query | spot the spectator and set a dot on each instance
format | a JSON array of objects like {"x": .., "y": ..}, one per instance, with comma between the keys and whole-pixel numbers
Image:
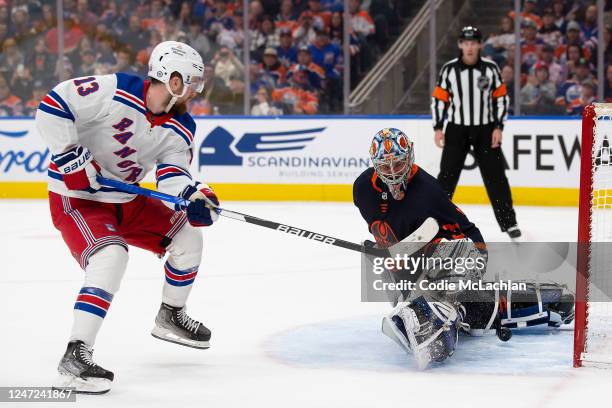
[
  {"x": 570, "y": 60},
  {"x": 84, "y": 17},
  {"x": 587, "y": 96},
  {"x": 142, "y": 58},
  {"x": 48, "y": 17},
  {"x": 286, "y": 19},
  {"x": 538, "y": 94},
  {"x": 263, "y": 38},
  {"x": 256, "y": 11},
  {"x": 227, "y": 66},
  {"x": 199, "y": 107},
  {"x": 529, "y": 13},
  {"x": 555, "y": 70},
  {"x": 572, "y": 38},
  {"x": 11, "y": 57},
  {"x": 589, "y": 27},
  {"x": 125, "y": 59},
  {"x": 263, "y": 104},
  {"x": 72, "y": 36},
  {"x": 257, "y": 80},
  {"x": 560, "y": 14},
  {"x": 550, "y": 32},
  {"x": 233, "y": 38},
  {"x": 273, "y": 72},
  {"x": 156, "y": 17},
  {"x": 287, "y": 53},
  {"x": 316, "y": 74},
  {"x": 570, "y": 90},
  {"x": 531, "y": 45},
  {"x": 220, "y": 18},
  {"x": 329, "y": 57},
  {"x": 10, "y": 105},
  {"x": 197, "y": 39},
  {"x": 106, "y": 54},
  {"x": 297, "y": 98},
  {"x": 39, "y": 91},
  {"x": 21, "y": 82},
  {"x": 361, "y": 21},
  {"x": 21, "y": 27},
  {"x": 172, "y": 31},
  {"x": 3, "y": 33},
  {"x": 321, "y": 18},
  {"x": 497, "y": 45},
  {"x": 87, "y": 67},
  {"x": 507, "y": 74},
  {"x": 135, "y": 37},
  {"x": 299, "y": 6},
  {"x": 185, "y": 18},
  {"x": 305, "y": 32},
  {"x": 41, "y": 62},
  {"x": 326, "y": 54}
]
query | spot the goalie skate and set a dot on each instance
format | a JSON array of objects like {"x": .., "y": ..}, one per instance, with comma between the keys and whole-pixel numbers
[{"x": 174, "y": 325}]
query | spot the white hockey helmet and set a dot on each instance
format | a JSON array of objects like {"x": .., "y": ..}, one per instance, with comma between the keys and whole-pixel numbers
[{"x": 173, "y": 56}]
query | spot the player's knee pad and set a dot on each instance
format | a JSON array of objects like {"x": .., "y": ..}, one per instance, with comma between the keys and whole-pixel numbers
[
  {"x": 186, "y": 247},
  {"x": 106, "y": 268},
  {"x": 430, "y": 328}
]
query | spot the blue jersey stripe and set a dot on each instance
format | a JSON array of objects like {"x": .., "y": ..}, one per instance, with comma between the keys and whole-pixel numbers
[
  {"x": 169, "y": 175},
  {"x": 56, "y": 112},
  {"x": 181, "y": 134},
  {"x": 59, "y": 99},
  {"x": 128, "y": 103}
]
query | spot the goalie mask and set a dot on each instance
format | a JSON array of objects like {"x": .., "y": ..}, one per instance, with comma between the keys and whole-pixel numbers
[
  {"x": 169, "y": 57},
  {"x": 392, "y": 155}
]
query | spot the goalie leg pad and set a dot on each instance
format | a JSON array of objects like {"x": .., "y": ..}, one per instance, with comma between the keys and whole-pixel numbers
[{"x": 427, "y": 329}]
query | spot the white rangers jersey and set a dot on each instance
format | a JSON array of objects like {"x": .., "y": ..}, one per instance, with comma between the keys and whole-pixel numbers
[{"x": 107, "y": 115}]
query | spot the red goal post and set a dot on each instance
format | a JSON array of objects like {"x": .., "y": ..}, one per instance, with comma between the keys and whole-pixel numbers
[{"x": 593, "y": 321}]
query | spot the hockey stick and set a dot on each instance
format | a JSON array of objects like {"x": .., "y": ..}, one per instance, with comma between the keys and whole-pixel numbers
[{"x": 423, "y": 234}]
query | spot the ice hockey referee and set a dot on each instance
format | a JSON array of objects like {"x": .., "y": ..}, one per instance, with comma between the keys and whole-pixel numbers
[{"x": 471, "y": 97}]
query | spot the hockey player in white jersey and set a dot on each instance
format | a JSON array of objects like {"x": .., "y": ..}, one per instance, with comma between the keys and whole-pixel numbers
[{"x": 122, "y": 127}]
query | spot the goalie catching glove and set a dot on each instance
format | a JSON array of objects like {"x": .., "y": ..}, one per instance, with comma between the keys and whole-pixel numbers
[
  {"x": 78, "y": 168},
  {"x": 200, "y": 212}
]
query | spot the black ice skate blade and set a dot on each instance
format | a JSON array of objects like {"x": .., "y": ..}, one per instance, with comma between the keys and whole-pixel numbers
[
  {"x": 82, "y": 392},
  {"x": 182, "y": 344}
]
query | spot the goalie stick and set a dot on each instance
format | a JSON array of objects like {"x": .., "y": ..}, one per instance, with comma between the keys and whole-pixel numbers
[{"x": 421, "y": 237}]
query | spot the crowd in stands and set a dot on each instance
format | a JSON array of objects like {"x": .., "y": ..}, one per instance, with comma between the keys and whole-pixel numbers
[
  {"x": 558, "y": 55},
  {"x": 295, "y": 47}
]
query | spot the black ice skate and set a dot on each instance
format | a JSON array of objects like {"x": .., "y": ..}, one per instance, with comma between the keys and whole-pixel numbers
[
  {"x": 77, "y": 370},
  {"x": 514, "y": 232},
  {"x": 172, "y": 324}
]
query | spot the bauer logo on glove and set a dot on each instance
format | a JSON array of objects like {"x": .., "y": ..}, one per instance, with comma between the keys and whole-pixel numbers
[
  {"x": 79, "y": 169},
  {"x": 203, "y": 200}
]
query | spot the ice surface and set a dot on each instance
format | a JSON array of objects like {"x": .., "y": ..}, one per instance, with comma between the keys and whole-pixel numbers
[{"x": 288, "y": 325}]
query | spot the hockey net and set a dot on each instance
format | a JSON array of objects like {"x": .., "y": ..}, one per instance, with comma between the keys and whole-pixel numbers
[{"x": 593, "y": 324}]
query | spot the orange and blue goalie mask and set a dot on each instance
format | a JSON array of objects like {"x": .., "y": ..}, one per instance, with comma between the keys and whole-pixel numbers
[{"x": 392, "y": 155}]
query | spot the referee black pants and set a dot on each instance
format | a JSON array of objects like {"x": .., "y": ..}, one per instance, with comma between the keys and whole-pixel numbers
[{"x": 457, "y": 142}]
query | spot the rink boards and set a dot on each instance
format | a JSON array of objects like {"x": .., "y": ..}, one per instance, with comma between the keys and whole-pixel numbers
[{"x": 318, "y": 158}]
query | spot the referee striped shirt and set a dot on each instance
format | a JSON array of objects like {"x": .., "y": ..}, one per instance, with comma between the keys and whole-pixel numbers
[{"x": 470, "y": 95}]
